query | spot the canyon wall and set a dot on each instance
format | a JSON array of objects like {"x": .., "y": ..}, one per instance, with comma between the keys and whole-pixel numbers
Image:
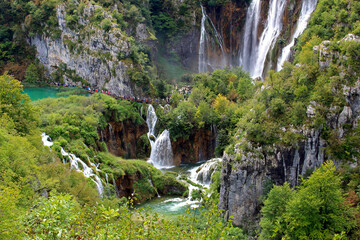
[{"x": 88, "y": 54}]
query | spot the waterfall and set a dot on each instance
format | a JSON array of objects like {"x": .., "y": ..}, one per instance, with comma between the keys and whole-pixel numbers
[
  {"x": 161, "y": 155},
  {"x": 102, "y": 135},
  {"x": 46, "y": 140},
  {"x": 161, "y": 152},
  {"x": 202, "y": 54},
  {"x": 116, "y": 187},
  {"x": 151, "y": 120},
  {"x": 111, "y": 132},
  {"x": 77, "y": 164},
  {"x": 307, "y": 8},
  {"x": 271, "y": 32},
  {"x": 248, "y": 51},
  {"x": 202, "y": 174},
  {"x": 204, "y": 62}
]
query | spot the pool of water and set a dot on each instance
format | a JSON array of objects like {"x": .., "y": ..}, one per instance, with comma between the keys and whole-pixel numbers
[
  {"x": 169, "y": 206},
  {"x": 173, "y": 206},
  {"x": 36, "y": 93}
]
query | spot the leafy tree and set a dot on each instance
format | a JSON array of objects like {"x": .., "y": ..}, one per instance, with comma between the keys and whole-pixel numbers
[
  {"x": 273, "y": 222},
  {"x": 32, "y": 74},
  {"x": 318, "y": 210},
  {"x": 17, "y": 105}
]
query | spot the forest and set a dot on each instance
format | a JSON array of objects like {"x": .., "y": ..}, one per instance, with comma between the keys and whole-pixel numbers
[{"x": 274, "y": 156}]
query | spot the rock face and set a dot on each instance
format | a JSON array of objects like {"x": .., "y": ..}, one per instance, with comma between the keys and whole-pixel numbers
[
  {"x": 122, "y": 138},
  {"x": 198, "y": 147},
  {"x": 244, "y": 176},
  {"x": 90, "y": 55},
  {"x": 128, "y": 183}
]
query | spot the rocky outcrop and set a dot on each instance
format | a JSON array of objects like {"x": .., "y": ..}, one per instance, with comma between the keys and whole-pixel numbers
[
  {"x": 130, "y": 185},
  {"x": 88, "y": 54},
  {"x": 199, "y": 146},
  {"x": 123, "y": 138},
  {"x": 245, "y": 174},
  {"x": 243, "y": 180}
]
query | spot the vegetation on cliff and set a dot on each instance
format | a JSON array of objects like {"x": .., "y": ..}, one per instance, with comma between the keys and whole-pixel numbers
[{"x": 30, "y": 172}]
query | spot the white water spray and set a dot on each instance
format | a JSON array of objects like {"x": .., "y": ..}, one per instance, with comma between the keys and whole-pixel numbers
[
  {"x": 77, "y": 164},
  {"x": 248, "y": 51},
  {"x": 270, "y": 34},
  {"x": 205, "y": 63},
  {"x": 161, "y": 150},
  {"x": 307, "y": 8}
]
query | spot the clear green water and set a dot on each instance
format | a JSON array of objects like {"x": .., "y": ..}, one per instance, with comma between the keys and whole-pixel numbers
[
  {"x": 172, "y": 206},
  {"x": 41, "y": 92},
  {"x": 37, "y": 93}
]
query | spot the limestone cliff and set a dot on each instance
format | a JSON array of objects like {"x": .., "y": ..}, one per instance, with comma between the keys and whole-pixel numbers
[
  {"x": 86, "y": 53},
  {"x": 251, "y": 166}
]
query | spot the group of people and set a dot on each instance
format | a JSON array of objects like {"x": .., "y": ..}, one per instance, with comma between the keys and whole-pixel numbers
[{"x": 136, "y": 99}]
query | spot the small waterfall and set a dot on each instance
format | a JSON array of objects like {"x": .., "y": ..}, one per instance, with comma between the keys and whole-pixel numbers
[
  {"x": 151, "y": 120},
  {"x": 205, "y": 64},
  {"x": 248, "y": 51},
  {"x": 116, "y": 187},
  {"x": 111, "y": 132},
  {"x": 307, "y": 8},
  {"x": 161, "y": 150},
  {"x": 270, "y": 34},
  {"x": 102, "y": 135},
  {"x": 46, "y": 140},
  {"x": 77, "y": 164},
  {"x": 202, "y": 174}
]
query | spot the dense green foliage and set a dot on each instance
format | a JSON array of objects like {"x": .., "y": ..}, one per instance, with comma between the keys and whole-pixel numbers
[
  {"x": 214, "y": 100},
  {"x": 316, "y": 210},
  {"x": 30, "y": 171}
]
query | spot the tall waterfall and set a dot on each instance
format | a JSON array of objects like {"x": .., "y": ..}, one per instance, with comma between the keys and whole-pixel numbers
[
  {"x": 248, "y": 50},
  {"x": 161, "y": 150},
  {"x": 271, "y": 32},
  {"x": 205, "y": 62},
  {"x": 307, "y": 8},
  {"x": 202, "y": 54},
  {"x": 77, "y": 164}
]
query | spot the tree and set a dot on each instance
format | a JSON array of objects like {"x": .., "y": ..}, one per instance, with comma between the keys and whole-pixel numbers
[
  {"x": 273, "y": 223},
  {"x": 318, "y": 210},
  {"x": 16, "y": 105},
  {"x": 32, "y": 75}
]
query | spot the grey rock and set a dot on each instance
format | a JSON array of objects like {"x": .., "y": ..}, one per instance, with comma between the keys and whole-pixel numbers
[
  {"x": 244, "y": 174},
  {"x": 96, "y": 61}
]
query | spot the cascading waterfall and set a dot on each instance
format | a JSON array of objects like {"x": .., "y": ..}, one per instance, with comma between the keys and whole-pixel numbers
[
  {"x": 204, "y": 62},
  {"x": 307, "y": 8},
  {"x": 151, "y": 120},
  {"x": 161, "y": 150},
  {"x": 46, "y": 140},
  {"x": 271, "y": 32},
  {"x": 202, "y": 174},
  {"x": 74, "y": 164},
  {"x": 248, "y": 51}
]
